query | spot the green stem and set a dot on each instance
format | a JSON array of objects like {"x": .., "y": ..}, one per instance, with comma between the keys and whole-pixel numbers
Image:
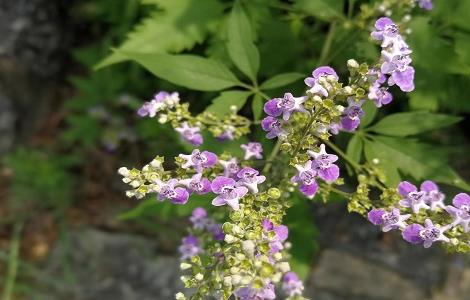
[
  {"x": 327, "y": 45},
  {"x": 353, "y": 164},
  {"x": 12, "y": 262}
]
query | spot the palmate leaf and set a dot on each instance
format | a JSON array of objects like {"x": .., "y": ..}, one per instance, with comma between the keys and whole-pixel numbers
[
  {"x": 410, "y": 123},
  {"x": 281, "y": 80},
  {"x": 222, "y": 104},
  {"x": 354, "y": 150},
  {"x": 257, "y": 107},
  {"x": 191, "y": 71},
  {"x": 176, "y": 26},
  {"x": 241, "y": 48},
  {"x": 322, "y": 9}
]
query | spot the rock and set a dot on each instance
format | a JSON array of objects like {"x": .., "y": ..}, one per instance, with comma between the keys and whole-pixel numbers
[
  {"x": 112, "y": 266},
  {"x": 340, "y": 275}
]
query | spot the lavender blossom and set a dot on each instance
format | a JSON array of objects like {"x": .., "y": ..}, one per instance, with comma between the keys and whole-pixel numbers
[
  {"x": 168, "y": 190},
  {"x": 197, "y": 184},
  {"x": 306, "y": 178},
  {"x": 252, "y": 149},
  {"x": 250, "y": 293},
  {"x": 412, "y": 197},
  {"x": 189, "y": 247},
  {"x": 425, "y": 4},
  {"x": 231, "y": 167},
  {"x": 388, "y": 220},
  {"x": 199, "y": 218},
  {"x": 190, "y": 134},
  {"x": 285, "y": 106},
  {"x": 460, "y": 211},
  {"x": 199, "y": 160},
  {"x": 227, "y": 134},
  {"x": 323, "y": 164},
  {"x": 427, "y": 235},
  {"x": 433, "y": 197},
  {"x": 292, "y": 285},
  {"x": 318, "y": 81},
  {"x": 352, "y": 115},
  {"x": 273, "y": 126},
  {"x": 160, "y": 101},
  {"x": 250, "y": 179},
  {"x": 227, "y": 191}
]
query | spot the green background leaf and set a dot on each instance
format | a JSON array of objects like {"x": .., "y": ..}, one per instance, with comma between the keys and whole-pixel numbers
[{"x": 221, "y": 105}]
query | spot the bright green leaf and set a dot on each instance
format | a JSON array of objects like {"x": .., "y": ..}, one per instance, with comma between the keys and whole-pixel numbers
[
  {"x": 191, "y": 71},
  {"x": 178, "y": 25},
  {"x": 281, "y": 80},
  {"x": 257, "y": 107},
  {"x": 222, "y": 104},
  {"x": 409, "y": 123},
  {"x": 241, "y": 48},
  {"x": 370, "y": 111},
  {"x": 354, "y": 149}
]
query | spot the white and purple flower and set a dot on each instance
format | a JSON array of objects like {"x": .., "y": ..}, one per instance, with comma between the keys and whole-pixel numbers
[
  {"x": 160, "y": 101},
  {"x": 412, "y": 198},
  {"x": 250, "y": 293},
  {"x": 318, "y": 83},
  {"x": 281, "y": 232},
  {"x": 190, "y": 134},
  {"x": 250, "y": 178},
  {"x": 427, "y": 235},
  {"x": 169, "y": 191},
  {"x": 352, "y": 115},
  {"x": 323, "y": 164},
  {"x": 227, "y": 191},
  {"x": 189, "y": 247},
  {"x": 306, "y": 178},
  {"x": 388, "y": 220},
  {"x": 199, "y": 218},
  {"x": 199, "y": 160},
  {"x": 197, "y": 184},
  {"x": 252, "y": 149},
  {"x": 433, "y": 197},
  {"x": 284, "y": 106},
  {"x": 425, "y": 4},
  {"x": 292, "y": 285},
  {"x": 460, "y": 211},
  {"x": 230, "y": 166},
  {"x": 273, "y": 126}
]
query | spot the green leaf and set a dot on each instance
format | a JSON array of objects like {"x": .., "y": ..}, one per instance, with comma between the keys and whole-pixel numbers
[
  {"x": 191, "y": 71},
  {"x": 257, "y": 106},
  {"x": 418, "y": 160},
  {"x": 354, "y": 149},
  {"x": 221, "y": 105},
  {"x": 370, "y": 111},
  {"x": 241, "y": 48},
  {"x": 178, "y": 25},
  {"x": 423, "y": 100},
  {"x": 302, "y": 234},
  {"x": 280, "y": 80},
  {"x": 410, "y": 123},
  {"x": 322, "y": 9}
]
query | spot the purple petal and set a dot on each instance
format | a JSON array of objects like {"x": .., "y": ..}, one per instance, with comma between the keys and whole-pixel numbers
[
  {"x": 267, "y": 225},
  {"x": 271, "y": 108},
  {"x": 290, "y": 276},
  {"x": 218, "y": 201},
  {"x": 411, "y": 234},
  {"x": 382, "y": 22},
  {"x": 375, "y": 216},
  {"x": 266, "y": 123},
  {"x": 323, "y": 71},
  {"x": 206, "y": 186},
  {"x": 199, "y": 212},
  {"x": 461, "y": 199},
  {"x": 309, "y": 81},
  {"x": 282, "y": 232},
  {"x": 405, "y": 79},
  {"x": 182, "y": 196},
  {"x": 330, "y": 174},
  {"x": 241, "y": 191},
  {"x": 428, "y": 186},
  {"x": 349, "y": 124},
  {"x": 404, "y": 188},
  {"x": 309, "y": 190},
  {"x": 211, "y": 159},
  {"x": 219, "y": 182}
]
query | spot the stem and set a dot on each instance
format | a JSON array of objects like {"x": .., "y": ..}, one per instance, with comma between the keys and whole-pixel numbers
[
  {"x": 12, "y": 262},
  {"x": 353, "y": 164},
  {"x": 327, "y": 45},
  {"x": 271, "y": 157}
]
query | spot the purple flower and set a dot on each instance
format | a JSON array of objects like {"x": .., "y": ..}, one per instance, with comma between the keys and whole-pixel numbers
[
  {"x": 227, "y": 192},
  {"x": 167, "y": 190},
  {"x": 272, "y": 126},
  {"x": 292, "y": 285},
  {"x": 231, "y": 167},
  {"x": 199, "y": 160},
  {"x": 190, "y": 134},
  {"x": 252, "y": 149},
  {"x": 170, "y": 99},
  {"x": 150, "y": 109},
  {"x": 460, "y": 212},
  {"x": 227, "y": 134},
  {"x": 403, "y": 79},
  {"x": 318, "y": 83},
  {"x": 250, "y": 293},
  {"x": 249, "y": 178},
  {"x": 197, "y": 184},
  {"x": 412, "y": 197},
  {"x": 306, "y": 178},
  {"x": 387, "y": 220},
  {"x": 199, "y": 218},
  {"x": 352, "y": 115},
  {"x": 379, "y": 95},
  {"x": 323, "y": 164},
  {"x": 217, "y": 231},
  {"x": 285, "y": 106},
  {"x": 281, "y": 232},
  {"x": 433, "y": 197},
  {"x": 189, "y": 247},
  {"x": 417, "y": 234},
  {"x": 386, "y": 31},
  {"x": 425, "y": 4}
]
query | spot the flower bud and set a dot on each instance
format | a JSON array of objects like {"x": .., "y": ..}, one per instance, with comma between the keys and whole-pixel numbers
[
  {"x": 274, "y": 193},
  {"x": 180, "y": 296},
  {"x": 352, "y": 63},
  {"x": 185, "y": 266},
  {"x": 230, "y": 238},
  {"x": 199, "y": 277},
  {"x": 248, "y": 247},
  {"x": 124, "y": 171},
  {"x": 284, "y": 267},
  {"x": 162, "y": 119}
]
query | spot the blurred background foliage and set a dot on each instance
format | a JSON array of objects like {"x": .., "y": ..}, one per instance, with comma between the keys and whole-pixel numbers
[{"x": 237, "y": 53}]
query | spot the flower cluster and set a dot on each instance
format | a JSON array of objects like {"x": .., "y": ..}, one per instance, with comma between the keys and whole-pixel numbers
[
  {"x": 167, "y": 107},
  {"x": 395, "y": 61},
  {"x": 415, "y": 213}
]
